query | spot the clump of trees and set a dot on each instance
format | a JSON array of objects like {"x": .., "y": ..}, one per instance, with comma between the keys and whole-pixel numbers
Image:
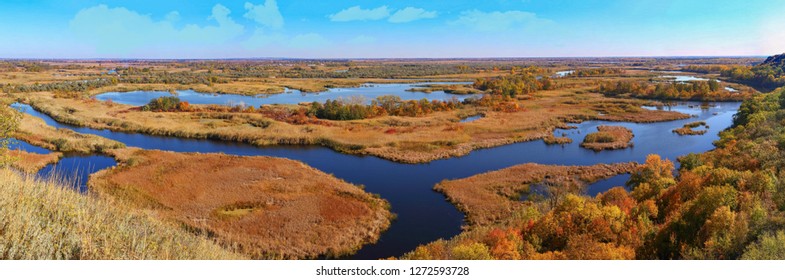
[
  {"x": 710, "y": 90},
  {"x": 167, "y": 104},
  {"x": 60, "y": 88},
  {"x": 765, "y": 76},
  {"x": 381, "y": 106},
  {"x": 593, "y": 72},
  {"x": 515, "y": 85}
]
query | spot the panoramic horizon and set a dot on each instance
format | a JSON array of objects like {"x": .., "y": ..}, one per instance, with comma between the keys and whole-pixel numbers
[
  {"x": 382, "y": 29},
  {"x": 368, "y": 138}
]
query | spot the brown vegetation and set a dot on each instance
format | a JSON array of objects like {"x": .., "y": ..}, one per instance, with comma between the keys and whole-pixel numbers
[
  {"x": 32, "y": 162},
  {"x": 417, "y": 139},
  {"x": 265, "y": 207},
  {"x": 35, "y": 131},
  {"x": 47, "y": 220},
  {"x": 688, "y": 129},
  {"x": 608, "y": 138},
  {"x": 492, "y": 197}
]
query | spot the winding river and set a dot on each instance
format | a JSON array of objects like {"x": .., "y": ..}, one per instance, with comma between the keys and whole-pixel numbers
[{"x": 423, "y": 214}]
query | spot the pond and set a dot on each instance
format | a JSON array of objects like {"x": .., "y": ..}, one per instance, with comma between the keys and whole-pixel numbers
[
  {"x": 471, "y": 118},
  {"x": 423, "y": 214},
  {"x": 366, "y": 93},
  {"x": 684, "y": 78},
  {"x": 561, "y": 74}
]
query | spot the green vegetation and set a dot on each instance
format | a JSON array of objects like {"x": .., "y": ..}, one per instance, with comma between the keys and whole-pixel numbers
[
  {"x": 594, "y": 72},
  {"x": 766, "y": 76}
]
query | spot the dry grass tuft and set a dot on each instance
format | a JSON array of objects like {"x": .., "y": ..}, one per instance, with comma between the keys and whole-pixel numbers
[
  {"x": 688, "y": 129},
  {"x": 608, "y": 138},
  {"x": 31, "y": 162}
]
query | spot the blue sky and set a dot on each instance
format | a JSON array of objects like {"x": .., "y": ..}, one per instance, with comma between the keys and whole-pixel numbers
[{"x": 383, "y": 29}]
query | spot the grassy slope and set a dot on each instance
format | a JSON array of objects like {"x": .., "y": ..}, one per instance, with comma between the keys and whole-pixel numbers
[{"x": 42, "y": 220}]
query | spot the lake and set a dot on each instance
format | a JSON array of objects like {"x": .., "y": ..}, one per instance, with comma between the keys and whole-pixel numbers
[
  {"x": 367, "y": 92},
  {"x": 423, "y": 214}
]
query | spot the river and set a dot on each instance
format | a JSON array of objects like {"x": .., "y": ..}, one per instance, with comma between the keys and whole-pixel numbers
[{"x": 423, "y": 214}]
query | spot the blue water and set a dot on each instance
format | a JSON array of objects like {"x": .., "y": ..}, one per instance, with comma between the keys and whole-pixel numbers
[
  {"x": 366, "y": 93},
  {"x": 685, "y": 78},
  {"x": 73, "y": 168},
  {"x": 423, "y": 214},
  {"x": 76, "y": 169},
  {"x": 471, "y": 118},
  {"x": 602, "y": 186}
]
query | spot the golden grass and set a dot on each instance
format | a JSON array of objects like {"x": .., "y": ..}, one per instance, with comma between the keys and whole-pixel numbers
[
  {"x": 35, "y": 131},
  {"x": 608, "y": 138},
  {"x": 493, "y": 197},
  {"x": 418, "y": 139},
  {"x": 44, "y": 220},
  {"x": 32, "y": 162},
  {"x": 266, "y": 207}
]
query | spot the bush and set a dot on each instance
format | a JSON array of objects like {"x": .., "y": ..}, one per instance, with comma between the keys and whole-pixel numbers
[
  {"x": 471, "y": 251},
  {"x": 166, "y": 104}
]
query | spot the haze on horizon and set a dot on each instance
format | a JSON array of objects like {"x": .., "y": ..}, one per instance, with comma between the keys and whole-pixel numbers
[{"x": 389, "y": 29}]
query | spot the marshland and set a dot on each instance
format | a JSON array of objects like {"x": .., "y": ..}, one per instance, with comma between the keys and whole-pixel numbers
[{"x": 408, "y": 159}]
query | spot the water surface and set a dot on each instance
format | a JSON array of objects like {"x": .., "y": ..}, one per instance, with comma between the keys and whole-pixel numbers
[{"x": 365, "y": 93}]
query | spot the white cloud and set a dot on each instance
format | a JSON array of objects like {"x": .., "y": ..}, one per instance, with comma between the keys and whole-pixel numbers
[
  {"x": 497, "y": 21},
  {"x": 266, "y": 14},
  {"x": 120, "y": 31},
  {"x": 308, "y": 41},
  {"x": 173, "y": 16},
  {"x": 357, "y": 13},
  {"x": 411, "y": 14},
  {"x": 362, "y": 39}
]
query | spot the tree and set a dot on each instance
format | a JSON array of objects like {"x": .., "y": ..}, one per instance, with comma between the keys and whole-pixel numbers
[{"x": 651, "y": 178}]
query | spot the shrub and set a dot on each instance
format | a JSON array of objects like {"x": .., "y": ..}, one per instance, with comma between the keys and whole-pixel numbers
[{"x": 166, "y": 104}]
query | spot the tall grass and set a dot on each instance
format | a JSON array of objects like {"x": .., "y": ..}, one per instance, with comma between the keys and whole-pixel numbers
[{"x": 44, "y": 220}]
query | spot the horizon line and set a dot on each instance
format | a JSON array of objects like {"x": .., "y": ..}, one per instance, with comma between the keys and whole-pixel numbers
[{"x": 389, "y": 58}]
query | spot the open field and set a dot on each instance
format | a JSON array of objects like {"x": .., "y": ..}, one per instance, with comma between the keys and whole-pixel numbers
[
  {"x": 45, "y": 220},
  {"x": 264, "y": 207}
]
